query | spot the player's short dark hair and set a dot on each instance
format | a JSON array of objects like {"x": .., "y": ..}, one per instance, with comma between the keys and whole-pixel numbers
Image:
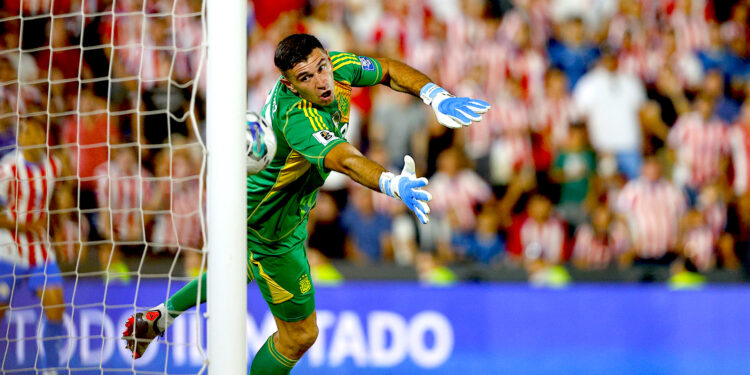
[{"x": 294, "y": 49}]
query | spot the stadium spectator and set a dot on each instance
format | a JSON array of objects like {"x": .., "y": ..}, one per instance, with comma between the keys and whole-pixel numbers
[
  {"x": 668, "y": 93},
  {"x": 395, "y": 120},
  {"x": 699, "y": 140},
  {"x": 28, "y": 178},
  {"x": 538, "y": 234},
  {"x": 686, "y": 66},
  {"x": 525, "y": 59},
  {"x": 724, "y": 107},
  {"x": 404, "y": 235},
  {"x": 60, "y": 56},
  {"x": 510, "y": 124},
  {"x": 123, "y": 189},
  {"x": 712, "y": 205},
  {"x": 553, "y": 115},
  {"x": 368, "y": 231},
  {"x": 739, "y": 141},
  {"x": 652, "y": 207},
  {"x": 485, "y": 244},
  {"x": 327, "y": 234},
  {"x": 610, "y": 101},
  {"x": 457, "y": 191},
  {"x": 697, "y": 241},
  {"x": 598, "y": 244},
  {"x": 571, "y": 52},
  {"x": 738, "y": 226},
  {"x": 69, "y": 228},
  {"x": 573, "y": 170},
  {"x": 7, "y": 115},
  {"x": 179, "y": 192},
  {"x": 655, "y": 130}
]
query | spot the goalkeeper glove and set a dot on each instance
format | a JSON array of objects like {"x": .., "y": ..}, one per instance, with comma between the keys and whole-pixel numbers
[
  {"x": 407, "y": 187},
  {"x": 451, "y": 111}
]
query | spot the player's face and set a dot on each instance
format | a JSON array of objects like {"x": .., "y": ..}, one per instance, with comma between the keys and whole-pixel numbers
[{"x": 312, "y": 79}]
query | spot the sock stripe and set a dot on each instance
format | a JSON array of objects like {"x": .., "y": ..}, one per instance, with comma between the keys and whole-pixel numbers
[{"x": 278, "y": 356}]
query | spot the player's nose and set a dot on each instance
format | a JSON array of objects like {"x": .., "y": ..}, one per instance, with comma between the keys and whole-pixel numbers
[{"x": 322, "y": 81}]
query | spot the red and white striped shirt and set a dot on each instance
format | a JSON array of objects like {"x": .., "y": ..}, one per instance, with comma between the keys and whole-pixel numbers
[
  {"x": 554, "y": 116},
  {"x": 635, "y": 61},
  {"x": 509, "y": 124},
  {"x": 543, "y": 240},
  {"x": 124, "y": 191},
  {"x": 26, "y": 190},
  {"x": 188, "y": 40},
  {"x": 69, "y": 234},
  {"x": 739, "y": 140},
  {"x": 653, "y": 210},
  {"x": 181, "y": 227},
  {"x": 698, "y": 245},
  {"x": 597, "y": 251},
  {"x": 700, "y": 147},
  {"x": 528, "y": 67},
  {"x": 691, "y": 31},
  {"x": 458, "y": 194}
]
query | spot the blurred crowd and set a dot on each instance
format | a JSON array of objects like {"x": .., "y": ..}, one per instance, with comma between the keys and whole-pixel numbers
[
  {"x": 105, "y": 89},
  {"x": 619, "y": 134}
]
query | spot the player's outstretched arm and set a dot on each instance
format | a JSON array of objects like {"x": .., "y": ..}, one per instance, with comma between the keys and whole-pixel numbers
[
  {"x": 450, "y": 111},
  {"x": 346, "y": 159}
]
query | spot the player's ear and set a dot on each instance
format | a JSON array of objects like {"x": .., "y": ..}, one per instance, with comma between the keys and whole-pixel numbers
[{"x": 288, "y": 84}]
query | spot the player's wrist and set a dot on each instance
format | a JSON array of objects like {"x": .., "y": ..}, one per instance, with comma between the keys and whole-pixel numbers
[
  {"x": 432, "y": 92},
  {"x": 387, "y": 185}
]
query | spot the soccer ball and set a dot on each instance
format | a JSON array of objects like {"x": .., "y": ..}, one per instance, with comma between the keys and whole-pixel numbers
[{"x": 261, "y": 143}]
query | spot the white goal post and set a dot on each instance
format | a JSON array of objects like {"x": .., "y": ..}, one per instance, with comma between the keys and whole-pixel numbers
[{"x": 226, "y": 100}]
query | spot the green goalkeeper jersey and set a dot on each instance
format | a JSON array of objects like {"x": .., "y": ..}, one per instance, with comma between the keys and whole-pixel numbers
[{"x": 280, "y": 197}]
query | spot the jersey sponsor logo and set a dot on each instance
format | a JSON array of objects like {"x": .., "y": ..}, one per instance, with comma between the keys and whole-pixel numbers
[
  {"x": 324, "y": 136},
  {"x": 366, "y": 63},
  {"x": 304, "y": 284}
]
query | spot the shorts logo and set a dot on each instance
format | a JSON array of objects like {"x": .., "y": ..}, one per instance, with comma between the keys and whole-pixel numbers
[
  {"x": 324, "y": 136},
  {"x": 366, "y": 63},
  {"x": 304, "y": 284}
]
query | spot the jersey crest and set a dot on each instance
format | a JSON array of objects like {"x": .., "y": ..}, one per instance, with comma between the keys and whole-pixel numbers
[{"x": 343, "y": 93}]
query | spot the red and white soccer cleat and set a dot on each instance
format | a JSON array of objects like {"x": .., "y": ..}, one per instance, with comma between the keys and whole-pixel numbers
[{"x": 144, "y": 327}]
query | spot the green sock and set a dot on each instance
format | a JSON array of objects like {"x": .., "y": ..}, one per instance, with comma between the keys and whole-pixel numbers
[
  {"x": 268, "y": 361},
  {"x": 185, "y": 298}
]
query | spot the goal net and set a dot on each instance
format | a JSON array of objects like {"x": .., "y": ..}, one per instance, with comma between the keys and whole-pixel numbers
[{"x": 102, "y": 191}]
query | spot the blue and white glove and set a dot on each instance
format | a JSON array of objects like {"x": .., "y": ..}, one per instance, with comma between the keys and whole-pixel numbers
[
  {"x": 408, "y": 188},
  {"x": 451, "y": 111}
]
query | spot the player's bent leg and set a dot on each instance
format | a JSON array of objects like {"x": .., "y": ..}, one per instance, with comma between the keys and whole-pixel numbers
[
  {"x": 294, "y": 338},
  {"x": 282, "y": 273},
  {"x": 285, "y": 347},
  {"x": 143, "y": 327}
]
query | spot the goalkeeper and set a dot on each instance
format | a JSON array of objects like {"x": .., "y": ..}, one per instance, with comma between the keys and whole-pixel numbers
[{"x": 309, "y": 112}]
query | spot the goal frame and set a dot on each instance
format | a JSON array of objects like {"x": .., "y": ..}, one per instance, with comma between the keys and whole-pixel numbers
[{"x": 226, "y": 102}]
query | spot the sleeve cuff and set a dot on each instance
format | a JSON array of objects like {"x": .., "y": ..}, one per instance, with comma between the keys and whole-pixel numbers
[{"x": 322, "y": 156}]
